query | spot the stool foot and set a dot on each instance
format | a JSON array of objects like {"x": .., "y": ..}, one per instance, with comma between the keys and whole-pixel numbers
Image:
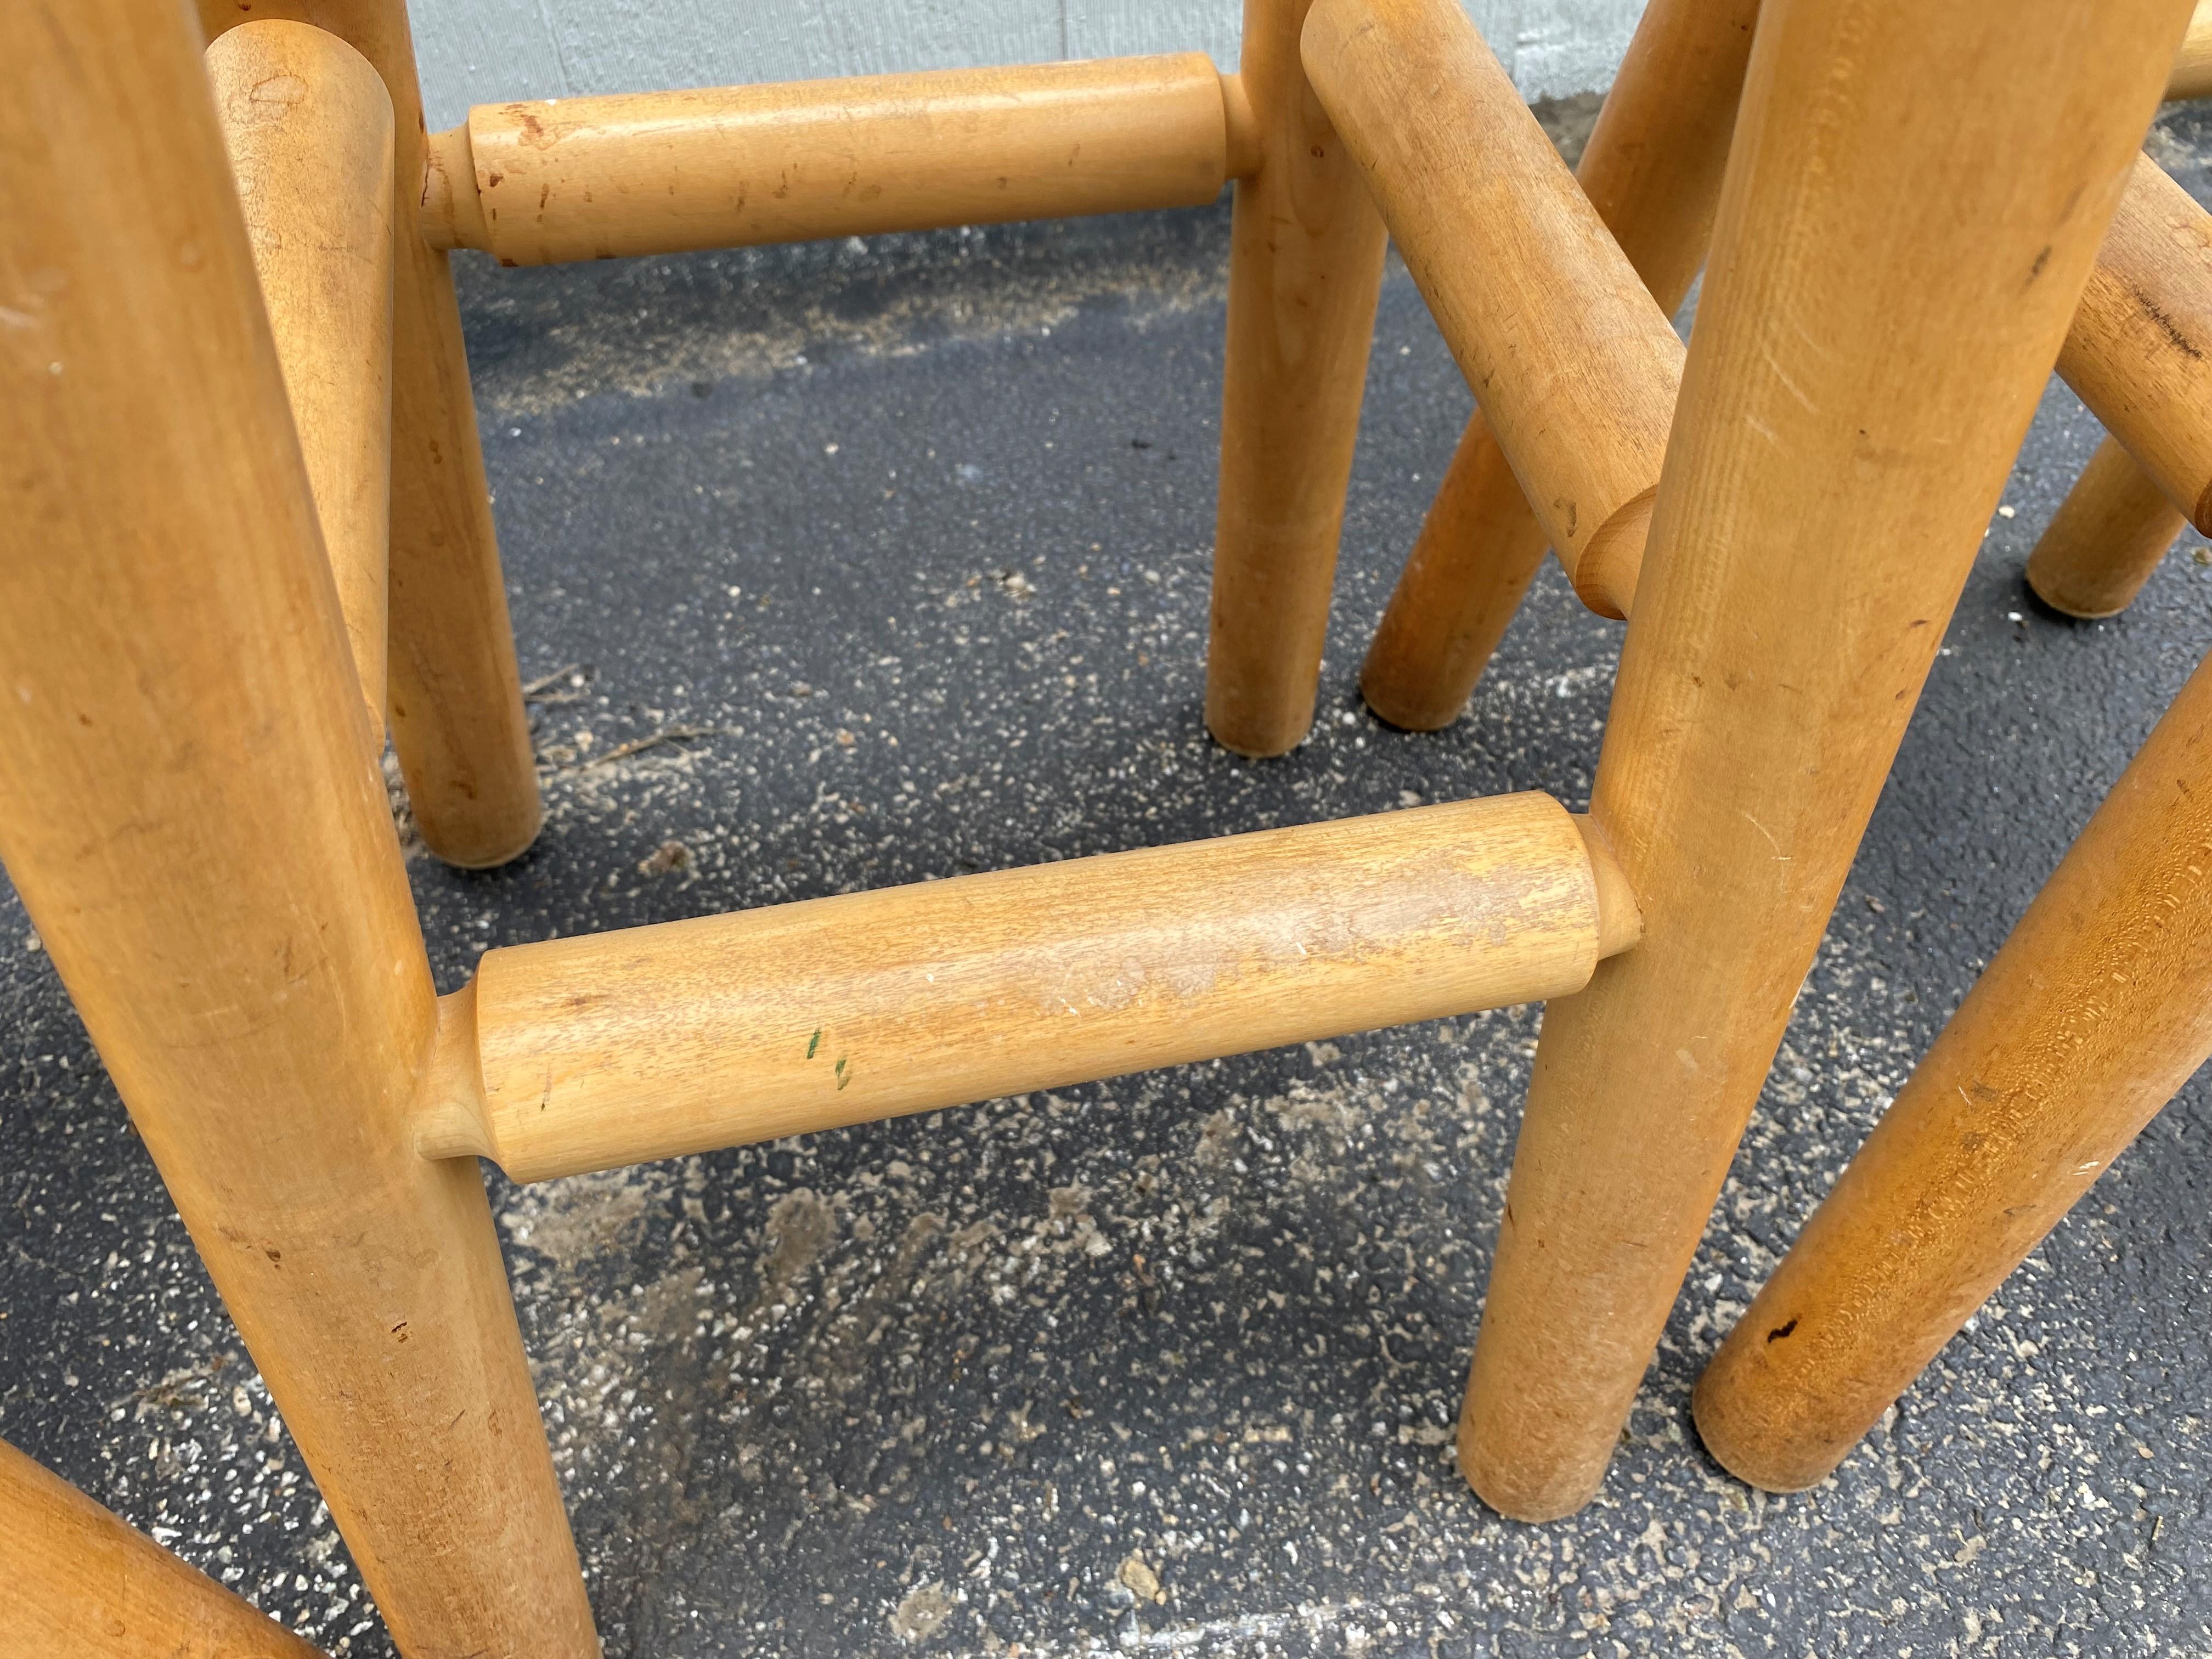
[{"x": 1305, "y": 263}]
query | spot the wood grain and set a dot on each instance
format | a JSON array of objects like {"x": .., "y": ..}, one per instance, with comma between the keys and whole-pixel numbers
[
  {"x": 308, "y": 125},
  {"x": 2140, "y": 351},
  {"x": 198, "y": 834},
  {"x": 585, "y": 1054},
  {"x": 1846, "y": 429},
  {"x": 2093, "y": 1014},
  {"x": 729, "y": 166},
  {"x": 83, "y": 1584}
]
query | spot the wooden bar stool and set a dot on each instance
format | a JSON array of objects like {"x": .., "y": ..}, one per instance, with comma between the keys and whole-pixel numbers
[
  {"x": 1605, "y": 1208},
  {"x": 190, "y": 804},
  {"x": 189, "y": 621}
]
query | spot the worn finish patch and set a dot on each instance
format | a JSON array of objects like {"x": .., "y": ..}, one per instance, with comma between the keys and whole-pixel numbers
[{"x": 1167, "y": 1364}]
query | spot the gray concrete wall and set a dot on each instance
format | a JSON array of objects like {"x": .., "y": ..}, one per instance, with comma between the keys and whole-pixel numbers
[{"x": 475, "y": 51}]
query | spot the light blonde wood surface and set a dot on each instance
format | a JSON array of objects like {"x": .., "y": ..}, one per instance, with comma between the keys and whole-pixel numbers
[
  {"x": 2192, "y": 76},
  {"x": 2106, "y": 538},
  {"x": 2096, "y": 1011},
  {"x": 2140, "y": 351},
  {"x": 192, "y": 821},
  {"x": 1656, "y": 159},
  {"x": 1245, "y": 149},
  {"x": 1305, "y": 263},
  {"x": 1846, "y": 428},
  {"x": 1478, "y": 547},
  {"x": 82, "y": 1583},
  {"x": 729, "y": 167},
  {"x": 584, "y": 1054},
  {"x": 308, "y": 126},
  {"x": 1652, "y": 169},
  {"x": 453, "y": 698},
  {"x": 1573, "y": 363}
]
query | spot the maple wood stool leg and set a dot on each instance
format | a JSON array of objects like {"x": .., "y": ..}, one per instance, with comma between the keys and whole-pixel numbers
[
  {"x": 1845, "y": 427},
  {"x": 1652, "y": 169},
  {"x": 204, "y": 844},
  {"x": 308, "y": 125},
  {"x": 2092, "y": 1017},
  {"x": 455, "y": 697},
  {"x": 84, "y": 1584},
  {"x": 1305, "y": 263},
  {"x": 2106, "y": 538},
  {"x": 1479, "y": 549},
  {"x": 2192, "y": 66}
]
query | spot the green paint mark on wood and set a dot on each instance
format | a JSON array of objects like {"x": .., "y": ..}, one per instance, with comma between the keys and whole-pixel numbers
[{"x": 814, "y": 1043}]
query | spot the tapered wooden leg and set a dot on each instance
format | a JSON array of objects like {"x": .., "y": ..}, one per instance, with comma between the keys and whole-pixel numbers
[
  {"x": 192, "y": 820},
  {"x": 455, "y": 698},
  {"x": 1305, "y": 263},
  {"x": 1845, "y": 427},
  {"x": 2192, "y": 66},
  {"x": 2106, "y": 538},
  {"x": 308, "y": 125},
  {"x": 2093, "y": 1014},
  {"x": 84, "y": 1584},
  {"x": 1478, "y": 550},
  {"x": 1652, "y": 169}
]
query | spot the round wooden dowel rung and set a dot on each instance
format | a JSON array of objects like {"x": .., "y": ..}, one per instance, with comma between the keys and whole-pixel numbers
[
  {"x": 610, "y": 1050},
  {"x": 630, "y": 174},
  {"x": 1572, "y": 362},
  {"x": 2140, "y": 350}
]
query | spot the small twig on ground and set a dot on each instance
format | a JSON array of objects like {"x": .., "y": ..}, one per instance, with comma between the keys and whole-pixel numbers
[
  {"x": 653, "y": 740},
  {"x": 539, "y": 690}
]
